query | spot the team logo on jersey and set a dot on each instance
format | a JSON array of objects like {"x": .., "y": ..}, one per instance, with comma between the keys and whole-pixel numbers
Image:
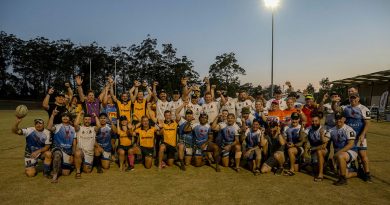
[
  {"x": 352, "y": 134},
  {"x": 368, "y": 113}
]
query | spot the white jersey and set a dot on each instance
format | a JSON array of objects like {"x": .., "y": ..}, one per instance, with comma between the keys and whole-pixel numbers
[
  {"x": 329, "y": 116},
  {"x": 161, "y": 107},
  {"x": 230, "y": 105},
  {"x": 242, "y": 104},
  {"x": 196, "y": 110},
  {"x": 86, "y": 139},
  {"x": 282, "y": 104},
  {"x": 211, "y": 109},
  {"x": 174, "y": 105}
]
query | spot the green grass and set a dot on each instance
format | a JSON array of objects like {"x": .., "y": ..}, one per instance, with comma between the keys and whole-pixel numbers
[{"x": 195, "y": 186}]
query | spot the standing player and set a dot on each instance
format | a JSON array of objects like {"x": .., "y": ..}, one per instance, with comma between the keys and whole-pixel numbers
[
  {"x": 38, "y": 143},
  {"x": 64, "y": 144},
  {"x": 186, "y": 139},
  {"x": 242, "y": 101},
  {"x": 358, "y": 117},
  {"x": 210, "y": 107},
  {"x": 59, "y": 104},
  {"x": 139, "y": 101}
]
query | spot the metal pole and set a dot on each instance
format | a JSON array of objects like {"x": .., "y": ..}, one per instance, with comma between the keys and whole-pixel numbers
[
  {"x": 90, "y": 74},
  {"x": 115, "y": 76},
  {"x": 272, "y": 57}
]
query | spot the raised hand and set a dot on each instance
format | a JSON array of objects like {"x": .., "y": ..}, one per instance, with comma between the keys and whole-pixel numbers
[
  {"x": 144, "y": 84},
  {"x": 213, "y": 86},
  {"x": 79, "y": 81},
  {"x": 55, "y": 111},
  {"x": 155, "y": 83}
]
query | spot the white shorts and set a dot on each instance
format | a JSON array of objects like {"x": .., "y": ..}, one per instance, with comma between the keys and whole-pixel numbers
[
  {"x": 352, "y": 156},
  {"x": 362, "y": 145},
  {"x": 106, "y": 155},
  {"x": 87, "y": 156},
  {"x": 32, "y": 162}
]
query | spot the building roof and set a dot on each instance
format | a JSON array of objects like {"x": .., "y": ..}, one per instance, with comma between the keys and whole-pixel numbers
[{"x": 380, "y": 77}]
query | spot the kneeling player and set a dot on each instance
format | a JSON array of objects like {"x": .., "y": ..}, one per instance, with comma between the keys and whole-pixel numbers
[
  {"x": 230, "y": 141},
  {"x": 254, "y": 143},
  {"x": 295, "y": 136},
  {"x": 64, "y": 143},
  {"x": 86, "y": 140},
  {"x": 185, "y": 143},
  {"x": 203, "y": 142},
  {"x": 37, "y": 146},
  {"x": 343, "y": 137},
  {"x": 145, "y": 142},
  {"x": 276, "y": 146},
  {"x": 318, "y": 142},
  {"x": 103, "y": 146}
]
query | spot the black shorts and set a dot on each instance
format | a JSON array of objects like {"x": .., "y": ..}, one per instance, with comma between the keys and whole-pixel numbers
[
  {"x": 170, "y": 150},
  {"x": 147, "y": 151},
  {"x": 125, "y": 148},
  {"x": 114, "y": 136},
  {"x": 272, "y": 162}
]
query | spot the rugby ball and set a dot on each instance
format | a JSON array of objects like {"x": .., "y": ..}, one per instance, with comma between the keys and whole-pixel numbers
[{"x": 21, "y": 111}]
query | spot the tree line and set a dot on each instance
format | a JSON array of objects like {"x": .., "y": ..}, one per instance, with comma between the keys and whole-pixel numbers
[{"x": 28, "y": 68}]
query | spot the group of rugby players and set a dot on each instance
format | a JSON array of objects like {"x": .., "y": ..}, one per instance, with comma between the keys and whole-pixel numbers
[{"x": 214, "y": 129}]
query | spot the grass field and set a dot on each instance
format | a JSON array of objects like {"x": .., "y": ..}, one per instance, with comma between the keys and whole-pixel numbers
[{"x": 195, "y": 186}]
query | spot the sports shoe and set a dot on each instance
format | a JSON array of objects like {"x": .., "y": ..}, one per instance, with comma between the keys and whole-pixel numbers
[
  {"x": 129, "y": 168},
  {"x": 99, "y": 169},
  {"x": 279, "y": 171},
  {"x": 342, "y": 181}
]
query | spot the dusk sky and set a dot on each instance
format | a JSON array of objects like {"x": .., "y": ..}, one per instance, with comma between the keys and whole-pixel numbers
[{"x": 313, "y": 38}]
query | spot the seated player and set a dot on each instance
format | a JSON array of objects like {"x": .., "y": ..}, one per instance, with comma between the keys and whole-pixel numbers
[
  {"x": 186, "y": 139},
  {"x": 255, "y": 143},
  {"x": 295, "y": 136},
  {"x": 203, "y": 142},
  {"x": 103, "y": 143},
  {"x": 230, "y": 141},
  {"x": 37, "y": 146},
  {"x": 318, "y": 142},
  {"x": 276, "y": 144},
  {"x": 145, "y": 136},
  {"x": 64, "y": 144},
  {"x": 86, "y": 140},
  {"x": 343, "y": 137}
]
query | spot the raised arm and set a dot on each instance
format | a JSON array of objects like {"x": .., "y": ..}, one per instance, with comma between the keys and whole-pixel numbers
[
  {"x": 103, "y": 92},
  {"x": 150, "y": 113},
  {"x": 79, "y": 83},
  {"x": 212, "y": 91},
  {"x": 45, "y": 103},
  {"x": 50, "y": 124},
  {"x": 15, "y": 128},
  {"x": 77, "y": 121},
  {"x": 149, "y": 92},
  {"x": 98, "y": 125},
  {"x": 69, "y": 91}
]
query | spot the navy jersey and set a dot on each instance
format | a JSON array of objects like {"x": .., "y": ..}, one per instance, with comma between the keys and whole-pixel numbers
[
  {"x": 201, "y": 134},
  {"x": 185, "y": 137},
  {"x": 340, "y": 137},
  {"x": 229, "y": 133},
  {"x": 63, "y": 138},
  {"x": 35, "y": 140},
  {"x": 355, "y": 117},
  {"x": 252, "y": 138},
  {"x": 314, "y": 136},
  {"x": 103, "y": 138},
  {"x": 292, "y": 134},
  {"x": 260, "y": 119}
]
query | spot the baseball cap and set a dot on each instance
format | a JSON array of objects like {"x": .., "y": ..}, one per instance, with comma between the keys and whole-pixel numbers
[
  {"x": 309, "y": 96},
  {"x": 189, "y": 111},
  {"x": 66, "y": 114},
  {"x": 356, "y": 95},
  {"x": 193, "y": 96},
  {"x": 273, "y": 124},
  {"x": 245, "y": 110},
  {"x": 122, "y": 118},
  {"x": 162, "y": 91},
  {"x": 39, "y": 120},
  {"x": 295, "y": 116},
  {"x": 338, "y": 115},
  {"x": 293, "y": 94},
  {"x": 333, "y": 93},
  {"x": 275, "y": 102},
  {"x": 103, "y": 114},
  {"x": 60, "y": 93}
]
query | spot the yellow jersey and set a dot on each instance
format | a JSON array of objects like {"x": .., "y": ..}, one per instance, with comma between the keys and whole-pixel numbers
[
  {"x": 124, "y": 140},
  {"x": 146, "y": 137},
  {"x": 139, "y": 110},
  {"x": 170, "y": 133},
  {"x": 124, "y": 109}
]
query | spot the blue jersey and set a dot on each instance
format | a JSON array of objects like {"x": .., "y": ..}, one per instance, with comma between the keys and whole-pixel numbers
[
  {"x": 63, "y": 138},
  {"x": 185, "y": 137},
  {"x": 229, "y": 133},
  {"x": 341, "y": 136},
  {"x": 35, "y": 140},
  {"x": 111, "y": 112},
  {"x": 314, "y": 136},
  {"x": 103, "y": 138},
  {"x": 355, "y": 117},
  {"x": 292, "y": 133},
  {"x": 260, "y": 120},
  {"x": 201, "y": 134},
  {"x": 252, "y": 138}
]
